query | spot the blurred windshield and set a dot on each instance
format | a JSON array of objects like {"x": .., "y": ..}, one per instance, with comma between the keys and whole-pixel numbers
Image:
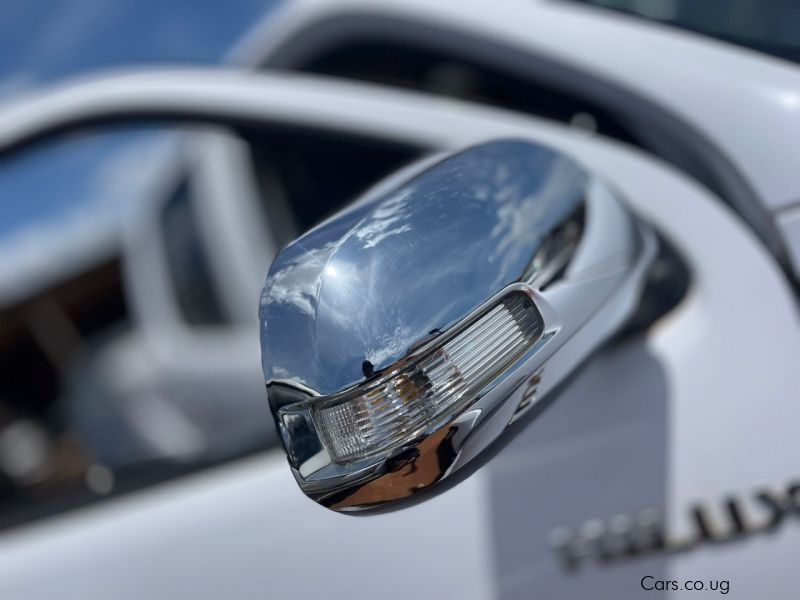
[{"x": 769, "y": 26}]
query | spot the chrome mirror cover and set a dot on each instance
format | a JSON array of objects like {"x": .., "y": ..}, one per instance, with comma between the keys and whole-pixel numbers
[{"x": 363, "y": 300}]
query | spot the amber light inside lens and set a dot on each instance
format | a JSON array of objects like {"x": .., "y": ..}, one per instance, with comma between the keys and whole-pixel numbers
[{"x": 424, "y": 396}]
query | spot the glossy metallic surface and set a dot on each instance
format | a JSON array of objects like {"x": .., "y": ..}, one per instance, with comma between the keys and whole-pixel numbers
[
  {"x": 371, "y": 284},
  {"x": 412, "y": 264}
]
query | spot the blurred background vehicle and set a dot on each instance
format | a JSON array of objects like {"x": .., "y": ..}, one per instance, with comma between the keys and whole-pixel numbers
[{"x": 131, "y": 256}]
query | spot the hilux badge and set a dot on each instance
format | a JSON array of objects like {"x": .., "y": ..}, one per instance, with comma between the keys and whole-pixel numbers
[{"x": 632, "y": 535}]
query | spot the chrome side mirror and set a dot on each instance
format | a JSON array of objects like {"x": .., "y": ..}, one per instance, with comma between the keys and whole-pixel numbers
[{"x": 401, "y": 337}]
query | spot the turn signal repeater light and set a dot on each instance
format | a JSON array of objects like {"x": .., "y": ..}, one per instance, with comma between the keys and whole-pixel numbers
[
  {"x": 422, "y": 396},
  {"x": 405, "y": 335}
]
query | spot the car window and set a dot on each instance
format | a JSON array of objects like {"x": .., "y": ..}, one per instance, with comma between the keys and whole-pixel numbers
[
  {"x": 420, "y": 66},
  {"x": 306, "y": 175},
  {"x": 768, "y": 26},
  {"x": 87, "y": 409},
  {"x": 442, "y": 60}
]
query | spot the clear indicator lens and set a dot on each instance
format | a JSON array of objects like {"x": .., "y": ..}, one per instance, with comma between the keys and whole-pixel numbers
[{"x": 423, "y": 396}]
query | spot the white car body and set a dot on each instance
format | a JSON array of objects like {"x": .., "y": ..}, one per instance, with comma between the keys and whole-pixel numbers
[
  {"x": 192, "y": 546},
  {"x": 682, "y": 414}
]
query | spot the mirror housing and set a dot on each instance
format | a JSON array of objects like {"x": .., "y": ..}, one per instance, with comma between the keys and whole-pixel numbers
[{"x": 401, "y": 337}]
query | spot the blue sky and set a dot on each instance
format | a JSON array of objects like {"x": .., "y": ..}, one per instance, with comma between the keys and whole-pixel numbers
[{"x": 42, "y": 41}]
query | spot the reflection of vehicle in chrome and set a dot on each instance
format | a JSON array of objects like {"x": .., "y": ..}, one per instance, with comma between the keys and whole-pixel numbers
[{"x": 453, "y": 286}]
